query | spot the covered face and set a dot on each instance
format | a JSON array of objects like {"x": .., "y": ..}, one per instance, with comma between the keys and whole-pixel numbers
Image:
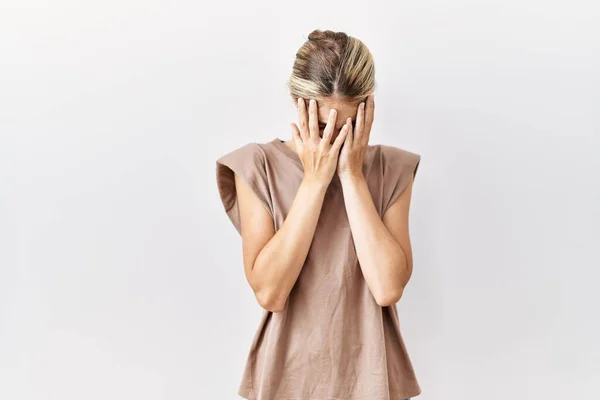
[{"x": 344, "y": 110}]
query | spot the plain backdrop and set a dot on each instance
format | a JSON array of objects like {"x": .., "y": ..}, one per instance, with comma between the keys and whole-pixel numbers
[{"x": 120, "y": 275}]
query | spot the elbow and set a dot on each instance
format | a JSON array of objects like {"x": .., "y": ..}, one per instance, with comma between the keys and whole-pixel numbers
[
  {"x": 270, "y": 301},
  {"x": 391, "y": 292},
  {"x": 389, "y": 297},
  {"x": 267, "y": 295}
]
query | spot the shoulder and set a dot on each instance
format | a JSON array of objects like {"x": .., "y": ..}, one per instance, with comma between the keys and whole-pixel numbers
[
  {"x": 398, "y": 169},
  {"x": 394, "y": 156},
  {"x": 249, "y": 152},
  {"x": 247, "y": 163}
]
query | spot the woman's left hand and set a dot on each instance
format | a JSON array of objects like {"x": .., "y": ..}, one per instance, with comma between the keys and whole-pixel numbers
[{"x": 350, "y": 160}]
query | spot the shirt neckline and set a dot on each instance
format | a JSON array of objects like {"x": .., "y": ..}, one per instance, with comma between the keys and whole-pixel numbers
[{"x": 284, "y": 148}]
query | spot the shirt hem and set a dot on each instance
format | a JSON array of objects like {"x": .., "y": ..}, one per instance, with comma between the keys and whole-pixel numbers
[{"x": 249, "y": 394}]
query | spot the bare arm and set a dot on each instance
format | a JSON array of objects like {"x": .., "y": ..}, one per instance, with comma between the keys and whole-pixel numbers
[
  {"x": 273, "y": 261},
  {"x": 382, "y": 245}
]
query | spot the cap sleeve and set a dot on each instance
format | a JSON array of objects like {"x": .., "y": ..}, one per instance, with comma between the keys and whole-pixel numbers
[
  {"x": 249, "y": 163},
  {"x": 400, "y": 167}
]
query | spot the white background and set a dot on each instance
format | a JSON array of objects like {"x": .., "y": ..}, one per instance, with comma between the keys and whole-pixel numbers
[{"x": 121, "y": 276}]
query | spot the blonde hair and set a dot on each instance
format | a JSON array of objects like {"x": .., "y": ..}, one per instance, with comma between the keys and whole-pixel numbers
[{"x": 332, "y": 64}]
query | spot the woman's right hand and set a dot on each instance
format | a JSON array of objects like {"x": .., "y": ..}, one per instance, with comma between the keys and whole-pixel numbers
[{"x": 318, "y": 155}]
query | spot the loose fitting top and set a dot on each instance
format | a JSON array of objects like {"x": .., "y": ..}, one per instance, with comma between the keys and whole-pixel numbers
[{"x": 332, "y": 341}]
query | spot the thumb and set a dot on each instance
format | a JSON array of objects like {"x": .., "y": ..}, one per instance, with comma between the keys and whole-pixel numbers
[{"x": 296, "y": 134}]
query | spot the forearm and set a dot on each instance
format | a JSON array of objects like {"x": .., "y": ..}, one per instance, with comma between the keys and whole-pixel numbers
[
  {"x": 382, "y": 259},
  {"x": 280, "y": 261}
]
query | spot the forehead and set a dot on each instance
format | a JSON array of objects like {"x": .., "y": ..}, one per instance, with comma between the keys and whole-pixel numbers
[{"x": 344, "y": 110}]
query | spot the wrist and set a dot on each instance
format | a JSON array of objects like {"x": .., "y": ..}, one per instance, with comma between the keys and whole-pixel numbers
[
  {"x": 351, "y": 177},
  {"x": 315, "y": 184}
]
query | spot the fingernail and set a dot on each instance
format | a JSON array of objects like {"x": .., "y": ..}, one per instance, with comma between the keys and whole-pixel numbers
[{"x": 312, "y": 102}]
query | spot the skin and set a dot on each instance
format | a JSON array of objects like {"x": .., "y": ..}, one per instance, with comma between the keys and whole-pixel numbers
[{"x": 274, "y": 260}]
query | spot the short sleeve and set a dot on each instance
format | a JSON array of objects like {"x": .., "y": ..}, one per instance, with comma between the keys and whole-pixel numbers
[
  {"x": 400, "y": 167},
  {"x": 249, "y": 163}
]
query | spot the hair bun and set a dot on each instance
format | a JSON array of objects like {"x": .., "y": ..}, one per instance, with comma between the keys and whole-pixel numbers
[{"x": 318, "y": 34}]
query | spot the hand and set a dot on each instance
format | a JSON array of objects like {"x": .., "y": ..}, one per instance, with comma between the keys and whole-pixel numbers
[
  {"x": 350, "y": 160},
  {"x": 318, "y": 155}
]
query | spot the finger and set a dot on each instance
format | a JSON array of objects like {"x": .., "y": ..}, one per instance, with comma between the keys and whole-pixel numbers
[
  {"x": 340, "y": 139},
  {"x": 303, "y": 119},
  {"x": 313, "y": 120},
  {"x": 328, "y": 132},
  {"x": 296, "y": 136},
  {"x": 350, "y": 139},
  {"x": 350, "y": 131},
  {"x": 370, "y": 111},
  {"x": 369, "y": 118},
  {"x": 360, "y": 117}
]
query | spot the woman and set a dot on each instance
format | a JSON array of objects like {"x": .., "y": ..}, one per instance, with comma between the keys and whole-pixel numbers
[{"x": 326, "y": 249}]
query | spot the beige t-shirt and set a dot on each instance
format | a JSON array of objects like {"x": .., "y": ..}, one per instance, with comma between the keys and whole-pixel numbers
[{"x": 332, "y": 341}]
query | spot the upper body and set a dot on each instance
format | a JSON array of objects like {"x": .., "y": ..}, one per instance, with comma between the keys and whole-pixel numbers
[{"x": 326, "y": 250}]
